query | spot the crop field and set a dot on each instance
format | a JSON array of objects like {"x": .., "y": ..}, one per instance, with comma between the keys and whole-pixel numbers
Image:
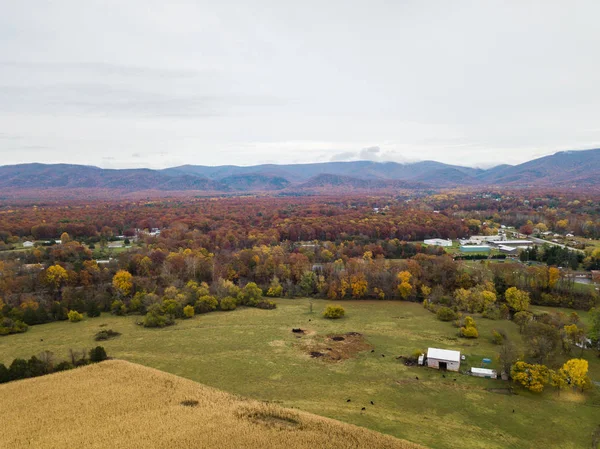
[
  {"x": 255, "y": 354},
  {"x": 118, "y": 404}
]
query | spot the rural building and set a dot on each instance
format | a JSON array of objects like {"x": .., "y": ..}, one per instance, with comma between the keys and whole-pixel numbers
[
  {"x": 475, "y": 248},
  {"x": 438, "y": 242},
  {"x": 508, "y": 249},
  {"x": 444, "y": 359},
  {"x": 27, "y": 244},
  {"x": 484, "y": 372},
  {"x": 480, "y": 239},
  {"x": 517, "y": 243}
]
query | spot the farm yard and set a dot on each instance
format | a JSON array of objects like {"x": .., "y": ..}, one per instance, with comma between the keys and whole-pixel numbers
[{"x": 254, "y": 353}]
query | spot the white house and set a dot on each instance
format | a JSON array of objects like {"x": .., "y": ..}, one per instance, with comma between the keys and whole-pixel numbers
[
  {"x": 484, "y": 372},
  {"x": 444, "y": 359},
  {"x": 28, "y": 244},
  {"x": 438, "y": 242}
]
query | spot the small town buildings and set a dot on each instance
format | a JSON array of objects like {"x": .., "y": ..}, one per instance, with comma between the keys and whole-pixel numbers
[
  {"x": 28, "y": 244},
  {"x": 484, "y": 372},
  {"x": 444, "y": 359},
  {"x": 438, "y": 242}
]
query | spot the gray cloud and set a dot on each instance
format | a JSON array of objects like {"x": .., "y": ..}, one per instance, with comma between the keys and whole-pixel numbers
[
  {"x": 345, "y": 156},
  {"x": 237, "y": 82},
  {"x": 369, "y": 153}
]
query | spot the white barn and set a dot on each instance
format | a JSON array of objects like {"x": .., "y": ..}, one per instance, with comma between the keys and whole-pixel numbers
[
  {"x": 28, "y": 244},
  {"x": 444, "y": 359},
  {"x": 438, "y": 242}
]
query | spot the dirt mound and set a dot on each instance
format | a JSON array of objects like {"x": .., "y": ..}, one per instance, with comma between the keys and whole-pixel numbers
[{"x": 336, "y": 347}]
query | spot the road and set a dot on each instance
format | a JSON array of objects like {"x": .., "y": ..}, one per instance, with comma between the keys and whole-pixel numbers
[{"x": 542, "y": 241}]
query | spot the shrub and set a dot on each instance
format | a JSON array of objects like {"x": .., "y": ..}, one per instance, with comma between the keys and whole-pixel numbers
[
  {"x": 18, "y": 369},
  {"x": 334, "y": 312},
  {"x": 118, "y": 308},
  {"x": 492, "y": 313},
  {"x": 172, "y": 308},
  {"x": 469, "y": 332},
  {"x": 228, "y": 303},
  {"x": 92, "y": 310},
  {"x": 275, "y": 289},
  {"x": 206, "y": 303},
  {"x": 4, "y": 375},
  {"x": 63, "y": 366},
  {"x": 188, "y": 311},
  {"x": 8, "y": 326},
  {"x": 156, "y": 318},
  {"x": 446, "y": 314},
  {"x": 105, "y": 334},
  {"x": 250, "y": 295},
  {"x": 498, "y": 337},
  {"x": 74, "y": 316},
  {"x": 268, "y": 305},
  {"x": 98, "y": 354}
]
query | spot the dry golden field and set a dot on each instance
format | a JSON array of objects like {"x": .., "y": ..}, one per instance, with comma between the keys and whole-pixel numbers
[{"x": 117, "y": 404}]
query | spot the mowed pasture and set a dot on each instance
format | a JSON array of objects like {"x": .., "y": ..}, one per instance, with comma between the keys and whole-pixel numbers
[
  {"x": 253, "y": 353},
  {"x": 122, "y": 405}
]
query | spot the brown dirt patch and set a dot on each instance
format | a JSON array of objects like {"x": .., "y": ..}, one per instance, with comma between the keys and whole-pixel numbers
[{"x": 336, "y": 347}]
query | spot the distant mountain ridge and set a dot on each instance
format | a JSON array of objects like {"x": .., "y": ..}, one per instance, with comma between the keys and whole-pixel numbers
[{"x": 566, "y": 168}]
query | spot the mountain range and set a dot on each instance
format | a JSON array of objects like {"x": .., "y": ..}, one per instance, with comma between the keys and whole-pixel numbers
[{"x": 563, "y": 169}]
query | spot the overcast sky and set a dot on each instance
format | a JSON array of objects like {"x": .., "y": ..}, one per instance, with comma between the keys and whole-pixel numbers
[{"x": 156, "y": 84}]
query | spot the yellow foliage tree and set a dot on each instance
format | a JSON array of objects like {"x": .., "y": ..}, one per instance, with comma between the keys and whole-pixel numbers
[
  {"x": 553, "y": 276},
  {"x": 517, "y": 299},
  {"x": 404, "y": 276},
  {"x": 405, "y": 289},
  {"x": 425, "y": 291},
  {"x": 56, "y": 276},
  {"x": 123, "y": 282},
  {"x": 359, "y": 285},
  {"x": 576, "y": 372},
  {"x": 65, "y": 238},
  {"x": 558, "y": 379},
  {"x": 532, "y": 377}
]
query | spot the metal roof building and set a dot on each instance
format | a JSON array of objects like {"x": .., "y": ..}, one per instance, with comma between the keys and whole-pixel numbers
[
  {"x": 444, "y": 359},
  {"x": 484, "y": 372}
]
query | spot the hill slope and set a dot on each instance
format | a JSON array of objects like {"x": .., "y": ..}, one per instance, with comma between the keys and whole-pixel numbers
[
  {"x": 118, "y": 404},
  {"x": 562, "y": 168}
]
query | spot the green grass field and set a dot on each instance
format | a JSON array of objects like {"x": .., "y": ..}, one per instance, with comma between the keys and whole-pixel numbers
[{"x": 253, "y": 353}]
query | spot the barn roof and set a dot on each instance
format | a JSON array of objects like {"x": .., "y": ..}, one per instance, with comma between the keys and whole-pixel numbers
[{"x": 443, "y": 354}]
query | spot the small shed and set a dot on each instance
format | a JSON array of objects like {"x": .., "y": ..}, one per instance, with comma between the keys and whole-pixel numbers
[
  {"x": 444, "y": 359},
  {"x": 484, "y": 372},
  {"x": 28, "y": 244}
]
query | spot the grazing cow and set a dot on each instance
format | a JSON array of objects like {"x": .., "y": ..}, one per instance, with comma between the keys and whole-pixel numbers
[
  {"x": 372, "y": 403},
  {"x": 382, "y": 355},
  {"x": 348, "y": 400},
  {"x": 417, "y": 377},
  {"x": 363, "y": 409},
  {"x": 372, "y": 350}
]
